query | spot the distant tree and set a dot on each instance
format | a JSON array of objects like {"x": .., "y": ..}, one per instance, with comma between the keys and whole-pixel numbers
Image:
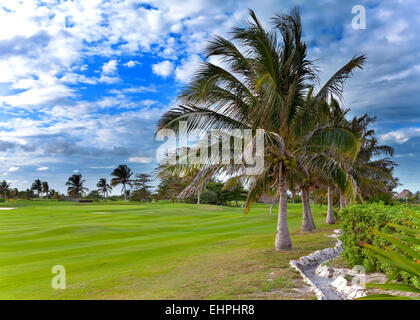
[
  {"x": 103, "y": 187},
  {"x": 37, "y": 186},
  {"x": 155, "y": 197},
  {"x": 208, "y": 197},
  {"x": 142, "y": 187},
  {"x": 54, "y": 194},
  {"x": 236, "y": 190},
  {"x": 122, "y": 176},
  {"x": 217, "y": 187},
  {"x": 45, "y": 188},
  {"x": 170, "y": 186},
  {"x": 4, "y": 188},
  {"x": 75, "y": 186},
  {"x": 27, "y": 194},
  {"x": 94, "y": 195},
  {"x": 14, "y": 193}
]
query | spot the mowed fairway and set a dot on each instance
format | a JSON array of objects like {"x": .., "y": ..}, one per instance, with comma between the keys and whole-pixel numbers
[{"x": 151, "y": 251}]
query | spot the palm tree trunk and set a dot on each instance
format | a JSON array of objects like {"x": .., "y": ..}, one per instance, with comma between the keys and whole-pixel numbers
[
  {"x": 283, "y": 241},
  {"x": 330, "y": 212},
  {"x": 308, "y": 224},
  {"x": 342, "y": 201},
  {"x": 311, "y": 216},
  {"x": 198, "y": 197},
  {"x": 125, "y": 195}
]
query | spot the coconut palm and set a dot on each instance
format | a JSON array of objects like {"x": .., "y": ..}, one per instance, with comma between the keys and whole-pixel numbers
[
  {"x": 45, "y": 188},
  {"x": 122, "y": 176},
  {"x": 365, "y": 176},
  {"x": 338, "y": 179},
  {"x": 75, "y": 186},
  {"x": 37, "y": 186},
  {"x": 372, "y": 173},
  {"x": 4, "y": 188},
  {"x": 103, "y": 187},
  {"x": 264, "y": 84}
]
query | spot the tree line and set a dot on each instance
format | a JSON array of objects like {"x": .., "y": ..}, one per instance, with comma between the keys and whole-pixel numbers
[{"x": 134, "y": 187}]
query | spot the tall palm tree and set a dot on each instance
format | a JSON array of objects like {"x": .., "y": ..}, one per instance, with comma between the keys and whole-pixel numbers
[
  {"x": 4, "y": 188},
  {"x": 45, "y": 188},
  {"x": 365, "y": 176},
  {"x": 122, "y": 176},
  {"x": 263, "y": 85},
  {"x": 37, "y": 186},
  {"x": 103, "y": 187},
  {"x": 75, "y": 186},
  {"x": 338, "y": 179}
]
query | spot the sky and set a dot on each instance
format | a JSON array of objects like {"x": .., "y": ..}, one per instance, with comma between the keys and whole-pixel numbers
[{"x": 83, "y": 83}]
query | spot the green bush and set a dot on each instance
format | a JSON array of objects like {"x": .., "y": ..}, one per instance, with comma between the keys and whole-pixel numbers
[{"x": 357, "y": 224}]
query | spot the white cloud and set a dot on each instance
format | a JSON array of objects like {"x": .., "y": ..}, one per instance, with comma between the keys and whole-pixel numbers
[
  {"x": 140, "y": 159},
  {"x": 163, "y": 69},
  {"x": 131, "y": 63},
  {"x": 185, "y": 72},
  {"x": 108, "y": 80},
  {"x": 13, "y": 169},
  {"x": 148, "y": 102},
  {"x": 140, "y": 89},
  {"x": 110, "y": 67},
  {"x": 401, "y": 136},
  {"x": 42, "y": 169}
]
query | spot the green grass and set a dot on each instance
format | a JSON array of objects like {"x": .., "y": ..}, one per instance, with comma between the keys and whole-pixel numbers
[{"x": 151, "y": 251}]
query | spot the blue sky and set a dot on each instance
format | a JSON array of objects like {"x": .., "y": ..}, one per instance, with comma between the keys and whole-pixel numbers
[{"x": 82, "y": 83}]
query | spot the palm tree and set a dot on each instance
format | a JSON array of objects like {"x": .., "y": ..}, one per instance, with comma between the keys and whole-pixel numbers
[
  {"x": 364, "y": 176},
  {"x": 264, "y": 86},
  {"x": 75, "y": 186},
  {"x": 37, "y": 186},
  {"x": 372, "y": 174},
  {"x": 122, "y": 176},
  {"x": 4, "y": 188},
  {"x": 103, "y": 187},
  {"x": 45, "y": 188}
]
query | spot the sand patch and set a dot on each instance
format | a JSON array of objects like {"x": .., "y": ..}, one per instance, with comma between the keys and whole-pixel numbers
[{"x": 7, "y": 208}]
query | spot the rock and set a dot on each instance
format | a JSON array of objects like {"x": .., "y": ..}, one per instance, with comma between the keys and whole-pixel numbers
[{"x": 326, "y": 282}]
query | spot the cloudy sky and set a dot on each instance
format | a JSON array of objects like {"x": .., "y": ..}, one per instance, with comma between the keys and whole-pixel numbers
[{"x": 82, "y": 83}]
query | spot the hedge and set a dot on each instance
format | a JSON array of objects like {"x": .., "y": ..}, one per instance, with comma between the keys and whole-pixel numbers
[{"x": 357, "y": 222}]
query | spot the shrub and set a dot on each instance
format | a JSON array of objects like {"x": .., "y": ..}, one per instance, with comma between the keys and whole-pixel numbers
[
  {"x": 405, "y": 260},
  {"x": 358, "y": 222}
]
